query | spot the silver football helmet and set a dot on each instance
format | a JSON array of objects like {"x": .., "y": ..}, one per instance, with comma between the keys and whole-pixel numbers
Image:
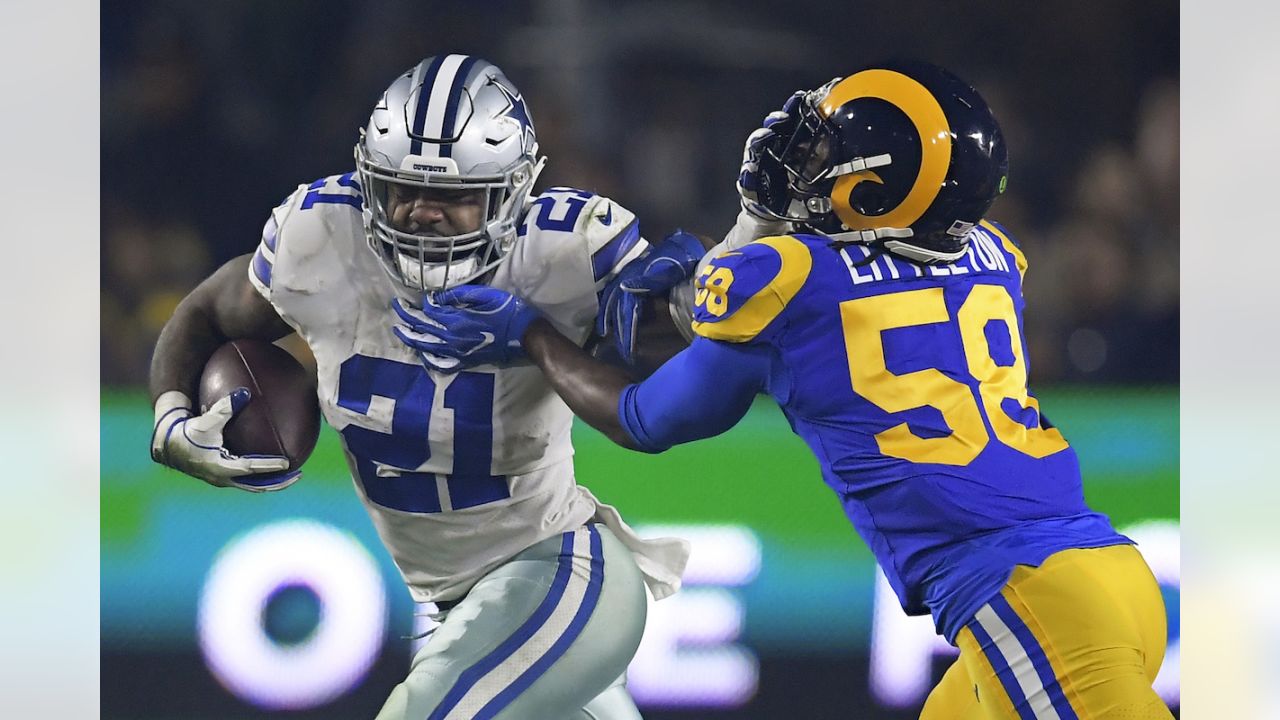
[{"x": 453, "y": 128}]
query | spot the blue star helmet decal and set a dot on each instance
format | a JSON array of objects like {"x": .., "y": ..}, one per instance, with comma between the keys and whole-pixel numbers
[{"x": 517, "y": 111}]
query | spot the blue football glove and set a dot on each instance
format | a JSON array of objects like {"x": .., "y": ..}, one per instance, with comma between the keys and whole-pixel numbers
[
  {"x": 465, "y": 326},
  {"x": 776, "y": 131},
  {"x": 423, "y": 335},
  {"x": 624, "y": 299}
]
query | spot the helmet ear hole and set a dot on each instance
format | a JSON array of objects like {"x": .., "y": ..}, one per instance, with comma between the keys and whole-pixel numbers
[{"x": 869, "y": 199}]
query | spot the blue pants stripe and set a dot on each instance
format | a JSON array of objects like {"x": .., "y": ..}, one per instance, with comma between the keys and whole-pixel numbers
[
  {"x": 1003, "y": 671},
  {"x": 473, "y": 674},
  {"x": 1048, "y": 678},
  {"x": 557, "y": 650}
]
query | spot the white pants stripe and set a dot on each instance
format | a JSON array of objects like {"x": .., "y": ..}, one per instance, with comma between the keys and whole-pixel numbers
[
  {"x": 506, "y": 673},
  {"x": 1015, "y": 656}
]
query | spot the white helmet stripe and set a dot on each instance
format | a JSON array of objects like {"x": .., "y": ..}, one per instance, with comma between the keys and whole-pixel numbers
[
  {"x": 422, "y": 82},
  {"x": 448, "y": 127}
]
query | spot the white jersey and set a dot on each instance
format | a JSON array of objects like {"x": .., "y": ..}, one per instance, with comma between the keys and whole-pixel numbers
[{"x": 458, "y": 472}]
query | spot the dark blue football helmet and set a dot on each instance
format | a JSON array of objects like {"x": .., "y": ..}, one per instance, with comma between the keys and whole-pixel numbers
[{"x": 904, "y": 156}]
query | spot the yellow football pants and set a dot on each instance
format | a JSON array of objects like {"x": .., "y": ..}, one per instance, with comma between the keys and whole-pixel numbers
[{"x": 1080, "y": 637}]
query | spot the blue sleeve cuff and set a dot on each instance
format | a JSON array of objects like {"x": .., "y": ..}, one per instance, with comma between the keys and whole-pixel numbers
[{"x": 630, "y": 418}]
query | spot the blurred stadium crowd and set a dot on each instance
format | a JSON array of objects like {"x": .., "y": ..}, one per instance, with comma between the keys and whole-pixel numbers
[{"x": 213, "y": 112}]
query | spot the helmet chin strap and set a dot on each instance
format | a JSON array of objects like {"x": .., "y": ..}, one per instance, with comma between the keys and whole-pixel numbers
[
  {"x": 869, "y": 236},
  {"x": 884, "y": 237},
  {"x": 415, "y": 275},
  {"x": 799, "y": 209},
  {"x": 923, "y": 255}
]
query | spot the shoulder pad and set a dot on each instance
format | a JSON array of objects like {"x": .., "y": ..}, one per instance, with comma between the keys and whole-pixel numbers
[
  {"x": 555, "y": 210},
  {"x": 1008, "y": 243},
  {"x": 741, "y": 292},
  {"x": 305, "y": 224},
  {"x": 610, "y": 232},
  {"x": 264, "y": 258},
  {"x": 302, "y": 229},
  {"x": 336, "y": 190}
]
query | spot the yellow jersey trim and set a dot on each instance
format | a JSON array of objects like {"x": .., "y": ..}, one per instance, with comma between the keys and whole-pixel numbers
[
  {"x": 760, "y": 309},
  {"x": 1009, "y": 247}
]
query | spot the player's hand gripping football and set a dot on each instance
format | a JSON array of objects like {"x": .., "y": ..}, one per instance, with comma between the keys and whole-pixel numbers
[
  {"x": 770, "y": 137},
  {"x": 465, "y": 326},
  {"x": 193, "y": 444},
  {"x": 625, "y": 298}
]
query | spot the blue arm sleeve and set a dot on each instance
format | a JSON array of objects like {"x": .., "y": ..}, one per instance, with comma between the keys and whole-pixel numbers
[{"x": 701, "y": 392}]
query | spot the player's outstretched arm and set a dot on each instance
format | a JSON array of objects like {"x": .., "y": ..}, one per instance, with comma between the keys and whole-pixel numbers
[
  {"x": 701, "y": 392},
  {"x": 223, "y": 307},
  {"x": 589, "y": 387}
]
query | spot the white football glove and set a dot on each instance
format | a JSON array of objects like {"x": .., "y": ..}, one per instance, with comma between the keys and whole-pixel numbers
[
  {"x": 774, "y": 133},
  {"x": 193, "y": 444}
]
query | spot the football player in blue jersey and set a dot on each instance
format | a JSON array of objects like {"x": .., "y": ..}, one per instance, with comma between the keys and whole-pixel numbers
[{"x": 887, "y": 324}]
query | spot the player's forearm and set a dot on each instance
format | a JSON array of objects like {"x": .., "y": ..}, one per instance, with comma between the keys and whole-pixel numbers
[
  {"x": 590, "y": 388},
  {"x": 658, "y": 339},
  {"x": 668, "y": 332},
  {"x": 748, "y": 228}
]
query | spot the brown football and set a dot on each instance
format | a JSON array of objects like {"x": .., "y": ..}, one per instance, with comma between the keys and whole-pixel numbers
[{"x": 283, "y": 413}]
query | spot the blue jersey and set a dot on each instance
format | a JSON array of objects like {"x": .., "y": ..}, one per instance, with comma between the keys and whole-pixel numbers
[{"x": 909, "y": 384}]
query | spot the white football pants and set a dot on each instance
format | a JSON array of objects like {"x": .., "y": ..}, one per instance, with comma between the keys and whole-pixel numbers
[{"x": 546, "y": 636}]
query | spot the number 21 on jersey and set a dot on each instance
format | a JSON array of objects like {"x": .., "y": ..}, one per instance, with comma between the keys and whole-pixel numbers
[
  {"x": 866, "y": 318},
  {"x": 385, "y": 460}
]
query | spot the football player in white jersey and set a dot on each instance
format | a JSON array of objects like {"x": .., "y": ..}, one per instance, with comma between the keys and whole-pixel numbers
[{"x": 468, "y": 477}]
